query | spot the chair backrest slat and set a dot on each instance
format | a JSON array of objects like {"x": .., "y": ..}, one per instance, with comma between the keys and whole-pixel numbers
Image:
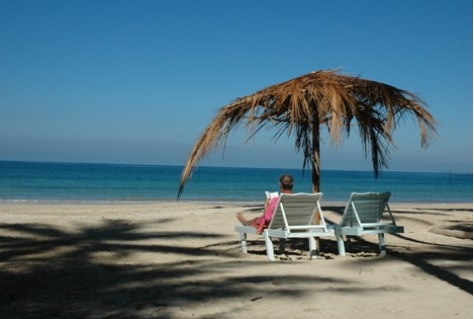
[
  {"x": 296, "y": 210},
  {"x": 364, "y": 208}
]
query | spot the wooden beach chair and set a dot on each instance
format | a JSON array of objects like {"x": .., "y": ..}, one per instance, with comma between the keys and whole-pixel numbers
[
  {"x": 293, "y": 218},
  {"x": 363, "y": 216}
]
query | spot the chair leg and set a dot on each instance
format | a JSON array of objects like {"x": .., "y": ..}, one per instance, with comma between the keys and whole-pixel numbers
[
  {"x": 281, "y": 248},
  {"x": 340, "y": 243},
  {"x": 269, "y": 245},
  {"x": 243, "y": 242},
  {"x": 383, "y": 251},
  {"x": 313, "y": 247}
]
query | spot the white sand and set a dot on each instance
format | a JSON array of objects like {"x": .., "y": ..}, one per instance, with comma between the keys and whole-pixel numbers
[{"x": 182, "y": 260}]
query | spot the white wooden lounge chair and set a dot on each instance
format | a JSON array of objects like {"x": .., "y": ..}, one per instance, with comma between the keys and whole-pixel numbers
[
  {"x": 293, "y": 218},
  {"x": 363, "y": 216}
]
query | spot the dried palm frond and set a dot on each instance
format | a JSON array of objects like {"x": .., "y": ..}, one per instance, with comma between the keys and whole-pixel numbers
[{"x": 300, "y": 106}]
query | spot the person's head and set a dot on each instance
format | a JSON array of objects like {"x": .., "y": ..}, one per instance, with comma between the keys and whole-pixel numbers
[{"x": 286, "y": 182}]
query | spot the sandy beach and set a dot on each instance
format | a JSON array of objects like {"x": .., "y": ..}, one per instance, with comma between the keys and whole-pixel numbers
[{"x": 183, "y": 260}]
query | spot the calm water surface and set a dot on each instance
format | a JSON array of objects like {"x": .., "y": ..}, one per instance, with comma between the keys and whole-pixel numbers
[{"x": 32, "y": 181}]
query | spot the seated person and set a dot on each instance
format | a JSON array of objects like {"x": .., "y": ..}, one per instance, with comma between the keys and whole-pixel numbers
[{"x": 262, "y": 222}]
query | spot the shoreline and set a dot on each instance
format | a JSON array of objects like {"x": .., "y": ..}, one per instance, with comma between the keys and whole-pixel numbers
[{"x": 199, "y": 202}]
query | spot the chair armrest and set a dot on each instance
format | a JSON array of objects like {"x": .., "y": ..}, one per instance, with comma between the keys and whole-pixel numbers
[{"x": 245, "y": 229}]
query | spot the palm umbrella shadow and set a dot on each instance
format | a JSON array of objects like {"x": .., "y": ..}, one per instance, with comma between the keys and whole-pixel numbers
[
  {"x": 47, "y": 271},
  {"x": 120, "y": 237}
]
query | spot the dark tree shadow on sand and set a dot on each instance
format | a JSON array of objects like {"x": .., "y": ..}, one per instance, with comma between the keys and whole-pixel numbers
[
  {"x": 47, "y": 273},
  {"x": 361, "y": 248}
]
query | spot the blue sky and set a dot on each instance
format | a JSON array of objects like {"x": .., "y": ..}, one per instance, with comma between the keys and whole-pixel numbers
[{"x": 136, "y": 82}]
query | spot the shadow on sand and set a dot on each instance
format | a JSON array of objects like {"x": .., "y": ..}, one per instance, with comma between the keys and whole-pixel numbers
[{"x": 47, "y": 273}]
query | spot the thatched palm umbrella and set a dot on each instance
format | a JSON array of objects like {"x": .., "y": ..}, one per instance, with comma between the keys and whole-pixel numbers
[{"x": 301, "y": 105}]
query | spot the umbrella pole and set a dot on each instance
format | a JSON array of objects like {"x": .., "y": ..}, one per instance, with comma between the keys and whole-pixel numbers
[{"x": 315, "y": 176}]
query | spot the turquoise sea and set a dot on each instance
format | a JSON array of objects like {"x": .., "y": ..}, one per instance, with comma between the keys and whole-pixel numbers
[{"x": 40, "y": 181}]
